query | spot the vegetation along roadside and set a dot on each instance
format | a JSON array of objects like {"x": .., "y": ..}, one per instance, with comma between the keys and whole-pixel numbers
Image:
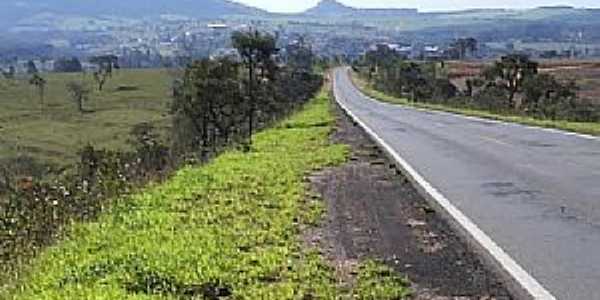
[
  {"x": 229, "y": 228},
  {"x": 529, "y": 97},
  {"x": 38, "y": 203}
]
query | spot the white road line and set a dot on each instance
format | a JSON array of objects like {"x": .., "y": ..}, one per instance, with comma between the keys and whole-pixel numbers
[{"x": 526, "y": 281}]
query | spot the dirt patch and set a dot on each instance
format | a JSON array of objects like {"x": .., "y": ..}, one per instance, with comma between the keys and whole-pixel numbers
[{"x": 374, "y": 212}]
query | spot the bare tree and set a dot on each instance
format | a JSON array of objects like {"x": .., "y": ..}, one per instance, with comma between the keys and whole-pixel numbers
[
  {"x": 101, "y": 76},
  {"x": 106, "y": 65},
  {"x": 79, "y": 93}
]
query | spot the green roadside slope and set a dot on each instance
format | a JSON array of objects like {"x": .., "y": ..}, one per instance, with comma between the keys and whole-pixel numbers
[{"x": 231, "y": 229}]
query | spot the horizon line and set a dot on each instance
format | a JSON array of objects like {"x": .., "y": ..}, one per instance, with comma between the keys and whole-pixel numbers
[{"x": 420, "y": 10}]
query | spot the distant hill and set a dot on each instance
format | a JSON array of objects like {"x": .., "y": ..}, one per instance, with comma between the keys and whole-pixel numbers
[
  {"x": 13, "y": 11},
  {"x": 332, "y": 8},
  {"x": 47, "y": 17}
]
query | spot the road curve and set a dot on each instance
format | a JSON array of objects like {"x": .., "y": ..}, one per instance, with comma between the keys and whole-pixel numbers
[{"x": 534, "y": 192}]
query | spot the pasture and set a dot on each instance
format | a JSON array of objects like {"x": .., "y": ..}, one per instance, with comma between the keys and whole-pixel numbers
[{"x": 53, "y": 133}]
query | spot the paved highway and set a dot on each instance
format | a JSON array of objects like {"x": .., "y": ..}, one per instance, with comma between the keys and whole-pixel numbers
[{"x": 534, "y": 192}]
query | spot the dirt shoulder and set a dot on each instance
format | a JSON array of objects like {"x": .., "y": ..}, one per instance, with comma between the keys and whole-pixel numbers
[{"x": 375, "y": 213}]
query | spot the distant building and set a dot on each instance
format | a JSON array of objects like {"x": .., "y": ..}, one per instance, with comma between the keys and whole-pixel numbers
[
  {"x": 217, "y": 26},
  {"x": 432, "y": 53},
  {"x": 231, "y": 53}
]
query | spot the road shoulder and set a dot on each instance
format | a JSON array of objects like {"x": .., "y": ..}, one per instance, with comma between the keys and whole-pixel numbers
[{"x": 375, "y": 213}]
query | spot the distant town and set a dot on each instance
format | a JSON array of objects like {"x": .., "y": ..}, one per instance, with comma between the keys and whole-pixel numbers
[{"x": 169, "y": 40}]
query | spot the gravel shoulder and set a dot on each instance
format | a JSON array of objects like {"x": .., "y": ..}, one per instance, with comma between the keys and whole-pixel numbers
[{"x": 373, "y": 212}]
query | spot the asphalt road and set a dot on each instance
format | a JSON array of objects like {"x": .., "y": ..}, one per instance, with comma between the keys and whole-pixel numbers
[{"x": 535, "y": 192}]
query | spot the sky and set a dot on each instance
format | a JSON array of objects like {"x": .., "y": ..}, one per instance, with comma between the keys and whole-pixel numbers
[{"x": 425, "y": 5}]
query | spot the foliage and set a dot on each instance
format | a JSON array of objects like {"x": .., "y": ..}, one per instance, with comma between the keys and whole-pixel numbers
[
  {"x": 381, "y": 56},
  {"x": 210, "y": 100},
  {"x": 40, "y": 83},
  {"x": 300, "y": 57},
  {"x": 37, "y": 200},
  {"x": 215, "y": 104},
  {"x": 34, "y": 211},
  {"x": 465, "y": 106},
  {"x": 512, "y": 85},
  {"x": 67, "y": 65},
  {"x": 510, "y": 72},
  {"x": 228, "y": 228},
  {"x": 208, "y": 97},
  {"x": 392, "y": 74},
  {"x": 153, "y": 157},
  {"x": 106, "y": 64},
  {"x": 492, "y": 98},
  {"x": 377, "y": 282},
  {"x": 257, "y": 50}
]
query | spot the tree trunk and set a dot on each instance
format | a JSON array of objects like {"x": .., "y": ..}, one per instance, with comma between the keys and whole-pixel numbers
[
  {"x": 251, "y": 108},
  {"x": 42, "y": 100}
]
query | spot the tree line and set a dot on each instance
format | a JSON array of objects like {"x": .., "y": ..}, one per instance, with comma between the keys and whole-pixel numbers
[{"x": 511, "y": 85}]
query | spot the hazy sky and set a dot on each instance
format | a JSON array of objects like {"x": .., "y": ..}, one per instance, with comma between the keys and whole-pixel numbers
[{"x": 299, "y": 5}]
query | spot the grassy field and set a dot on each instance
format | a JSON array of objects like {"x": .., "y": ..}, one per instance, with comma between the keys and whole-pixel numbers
[
  {"x": 580, "y": 127},
  {"x": 232, "y": 228},
  {"x": 56, "y": 135}
]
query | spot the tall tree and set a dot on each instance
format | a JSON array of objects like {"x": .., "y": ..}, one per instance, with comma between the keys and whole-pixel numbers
[
  {"x": 256, "y": 50},
  {"x": 300, "y": 56},
  {"x": 510, "y": 72},
  {"x": 207, "y": 98}
]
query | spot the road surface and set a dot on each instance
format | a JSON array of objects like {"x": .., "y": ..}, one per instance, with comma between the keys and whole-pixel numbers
[{"x": 534, "y": 192}]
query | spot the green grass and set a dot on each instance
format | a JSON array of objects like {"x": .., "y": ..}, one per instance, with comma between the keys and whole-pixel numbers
[
  {"x": 234, "y": 224},
  {"x": 376, "y": 281},
  {"x": 56, "y": 135},
  {"x": 579, "y": 127}
]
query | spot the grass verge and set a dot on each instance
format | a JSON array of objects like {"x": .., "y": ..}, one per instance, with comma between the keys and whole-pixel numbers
[
  {"x": 579, "y": 127},
  {"x": 227, "y": 230}
]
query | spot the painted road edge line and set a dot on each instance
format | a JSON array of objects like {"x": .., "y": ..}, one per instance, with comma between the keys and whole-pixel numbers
[{"x": 527, "y": 282}]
